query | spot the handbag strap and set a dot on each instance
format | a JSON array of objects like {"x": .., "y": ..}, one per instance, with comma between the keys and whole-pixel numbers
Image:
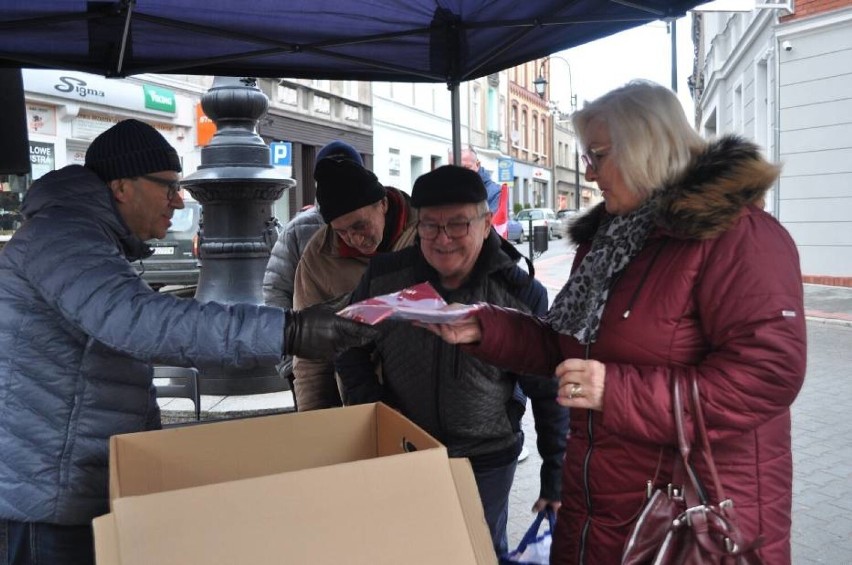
[
  {"x": 725, "y": 506},
  {"x": 685, "y": 448},
  {"x": 701, "y": 433}
]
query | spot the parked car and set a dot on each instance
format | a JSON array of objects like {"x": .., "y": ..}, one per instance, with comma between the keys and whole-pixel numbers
[
  {"x": 540, "y": 217},
  {"x": 175, "y": 258},
  {"x": 514, "y": 233},
  {"x": 565, "y": 217}
]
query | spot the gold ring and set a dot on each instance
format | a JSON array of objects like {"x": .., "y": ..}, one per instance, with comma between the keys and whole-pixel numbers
[{"x": 576, "y": 391}]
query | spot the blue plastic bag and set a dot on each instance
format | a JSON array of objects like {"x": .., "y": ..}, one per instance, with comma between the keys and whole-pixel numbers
[{"x": 534, "y": 547}]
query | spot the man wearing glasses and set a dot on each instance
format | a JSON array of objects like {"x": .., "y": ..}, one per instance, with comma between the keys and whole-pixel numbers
[
  {"x": 80, "y": 330},
  {"x": 463, "y": 402},
  {"x": 363, "y": 219}
]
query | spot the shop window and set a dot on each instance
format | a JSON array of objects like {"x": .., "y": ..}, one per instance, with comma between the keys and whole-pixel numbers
[{"x": 393, "y": 162}]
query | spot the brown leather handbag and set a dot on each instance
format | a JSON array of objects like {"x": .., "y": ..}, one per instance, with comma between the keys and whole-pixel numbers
[{"x": 679, "y": 525}]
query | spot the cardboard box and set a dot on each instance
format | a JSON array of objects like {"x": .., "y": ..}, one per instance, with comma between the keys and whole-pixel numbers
[{"x": 348, "y": 485}]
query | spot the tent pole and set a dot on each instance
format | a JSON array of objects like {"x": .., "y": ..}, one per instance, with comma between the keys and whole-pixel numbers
[
  {"x": 673, "y": 30},
  {"x": 120, "y": 66},
  {"x": 455, "y": 112}
]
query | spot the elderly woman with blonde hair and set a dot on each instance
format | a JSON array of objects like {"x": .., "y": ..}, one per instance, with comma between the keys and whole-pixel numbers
[{"x": 679, "y": 276}]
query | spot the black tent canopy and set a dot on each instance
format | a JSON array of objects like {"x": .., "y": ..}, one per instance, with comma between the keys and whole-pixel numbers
[
  {"x": 400, "y": 40},
  {"x": 371, "y": 40}
]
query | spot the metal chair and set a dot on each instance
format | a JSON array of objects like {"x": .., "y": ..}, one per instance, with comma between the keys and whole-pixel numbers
[{"x": 183, "y": 383}]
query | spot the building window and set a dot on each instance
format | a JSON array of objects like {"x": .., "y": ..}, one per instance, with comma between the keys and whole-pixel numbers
[
  {"x": 502, "y": 118},
  {"x": 525, "y": 134},
  {"x": 288, "y": 95},
  {"x": 543, "y": 132},
  {"x": 737, "y": 118},
  {"x": 393, "y": 162},
  {"x": 515, "y": 133},
  {"x": 321, "y": 84},
  {"x": 475, "y": 118},
  {"x": 322, "y": 105},
  {"x": 350, "y": 89},
  {"x": 762, "y": 115},
  {"x": 535, "y": 132},
  {"x": 351, "y": 113}
]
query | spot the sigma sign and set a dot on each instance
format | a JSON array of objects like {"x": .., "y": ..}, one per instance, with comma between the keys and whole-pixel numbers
[{"x": 71, "y": 84}]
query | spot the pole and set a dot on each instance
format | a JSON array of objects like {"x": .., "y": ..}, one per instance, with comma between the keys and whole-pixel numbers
[
  {"x": 530, "y": 232},
  {"x": 576, "y": 175},
  {"x": 576, "y": 156},
  {"x": 574, "y": 132},
  {"x": 673, "y": 24},
  {"x": 455, "y": 112}
]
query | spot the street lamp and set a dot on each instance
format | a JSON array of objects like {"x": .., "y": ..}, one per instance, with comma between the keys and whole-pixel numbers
[{"x": 540, "y": 84}]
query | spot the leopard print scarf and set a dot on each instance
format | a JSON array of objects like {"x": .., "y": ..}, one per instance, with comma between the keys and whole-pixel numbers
[{"x": 578, "y": 307}]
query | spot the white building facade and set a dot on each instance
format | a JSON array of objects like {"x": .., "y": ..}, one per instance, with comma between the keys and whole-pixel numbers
[
  {"x": 412, "y": 127},
  {"x": 781, "y": 75}
]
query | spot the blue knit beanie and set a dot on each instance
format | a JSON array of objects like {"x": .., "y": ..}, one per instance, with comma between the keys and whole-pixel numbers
[{"x": 339, "y": 149}]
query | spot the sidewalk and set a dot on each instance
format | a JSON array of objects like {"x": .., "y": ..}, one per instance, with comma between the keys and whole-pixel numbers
[{"x": 829, "y": 304}]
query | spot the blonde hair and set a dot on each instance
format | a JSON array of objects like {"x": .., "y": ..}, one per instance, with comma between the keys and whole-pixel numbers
[{"x": 652, "y": 140}]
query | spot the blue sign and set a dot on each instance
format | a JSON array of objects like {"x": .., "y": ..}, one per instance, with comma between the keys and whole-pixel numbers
[
  {"x": 505, "y": 170},
  {"x": 281, "y": 154}
]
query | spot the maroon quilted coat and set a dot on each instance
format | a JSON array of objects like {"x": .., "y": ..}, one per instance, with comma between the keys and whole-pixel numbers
[{"x": 717, "y": 293}]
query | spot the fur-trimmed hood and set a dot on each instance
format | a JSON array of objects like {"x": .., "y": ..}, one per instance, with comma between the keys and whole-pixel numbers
[{"x": 705, "y": 200}]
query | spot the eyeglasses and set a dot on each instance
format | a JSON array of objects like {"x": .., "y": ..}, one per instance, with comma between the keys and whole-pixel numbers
[
  {"x": 430, "y": 231},
  {"x": 592, "y": 157},
  {"x": 172, "y": 186},
  {"x": 359, "y": 228}
]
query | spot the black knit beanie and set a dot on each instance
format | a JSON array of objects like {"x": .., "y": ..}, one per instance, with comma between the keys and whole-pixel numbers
[
  {"x": 449, "y": 184},
  {"x": 130, "y": 149},
  {"x": 343, "y": 186}
]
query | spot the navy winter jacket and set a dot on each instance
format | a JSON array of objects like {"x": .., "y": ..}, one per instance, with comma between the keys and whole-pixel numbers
[{"x": 79, "y": 331}]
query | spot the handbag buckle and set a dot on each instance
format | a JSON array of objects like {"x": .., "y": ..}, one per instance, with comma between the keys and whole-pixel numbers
[
  {"x": 730, "y": 545},
  {"x": 675, "y": 491}
]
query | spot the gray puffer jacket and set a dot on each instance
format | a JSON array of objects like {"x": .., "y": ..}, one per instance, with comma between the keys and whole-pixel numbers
[
  {"x": 280, "y": 272},
  {"x": 281, "y": 268},
  {"x": 79, "y": 331}
]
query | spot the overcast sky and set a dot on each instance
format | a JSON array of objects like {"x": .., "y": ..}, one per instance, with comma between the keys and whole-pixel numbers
[{"x": 643, "y": 52}]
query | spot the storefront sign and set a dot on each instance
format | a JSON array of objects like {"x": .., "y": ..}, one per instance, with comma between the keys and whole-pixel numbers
[
  {"x": 42, "y": 158},
  {"x": 505, "y": 170},
  {"x": 41, "y": 119},
  {"x": 89, "y": 126},
  {"x": 205, "y": 128},
  {"x": 157, "y": 98},
  {"x": 83, "y": 87}
]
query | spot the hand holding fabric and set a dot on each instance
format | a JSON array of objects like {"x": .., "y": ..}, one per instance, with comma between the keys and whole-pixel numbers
[
  {"x": 318, "y": 333},
  {"x": 467, "y": 330}
]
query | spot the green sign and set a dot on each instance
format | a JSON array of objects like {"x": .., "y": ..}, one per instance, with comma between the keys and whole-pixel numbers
[{"x": 157, "y": 98}]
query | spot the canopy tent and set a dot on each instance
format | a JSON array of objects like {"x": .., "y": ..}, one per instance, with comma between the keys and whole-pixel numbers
[
  {"x": 412, "y": 41},
  {"x": 372, "y": 40}
]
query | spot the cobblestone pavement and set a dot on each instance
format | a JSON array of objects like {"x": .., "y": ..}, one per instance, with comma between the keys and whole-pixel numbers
[{"x": 822, "y": 456}]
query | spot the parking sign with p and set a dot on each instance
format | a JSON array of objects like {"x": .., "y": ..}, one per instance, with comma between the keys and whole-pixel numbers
[{"x": 280, "y": 154}]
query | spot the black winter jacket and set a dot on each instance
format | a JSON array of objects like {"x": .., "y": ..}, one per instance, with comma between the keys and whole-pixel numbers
[{"x": 465, "y": 403}]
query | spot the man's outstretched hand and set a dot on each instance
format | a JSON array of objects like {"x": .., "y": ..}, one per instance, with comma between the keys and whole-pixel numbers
[{"x": 318, "y": 333}]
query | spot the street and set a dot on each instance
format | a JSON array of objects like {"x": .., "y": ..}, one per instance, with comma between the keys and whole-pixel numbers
[{"x": 822, "y": 450}]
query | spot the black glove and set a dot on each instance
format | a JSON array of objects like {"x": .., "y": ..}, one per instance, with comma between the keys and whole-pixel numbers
[{"x": 318, "y": 333}]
